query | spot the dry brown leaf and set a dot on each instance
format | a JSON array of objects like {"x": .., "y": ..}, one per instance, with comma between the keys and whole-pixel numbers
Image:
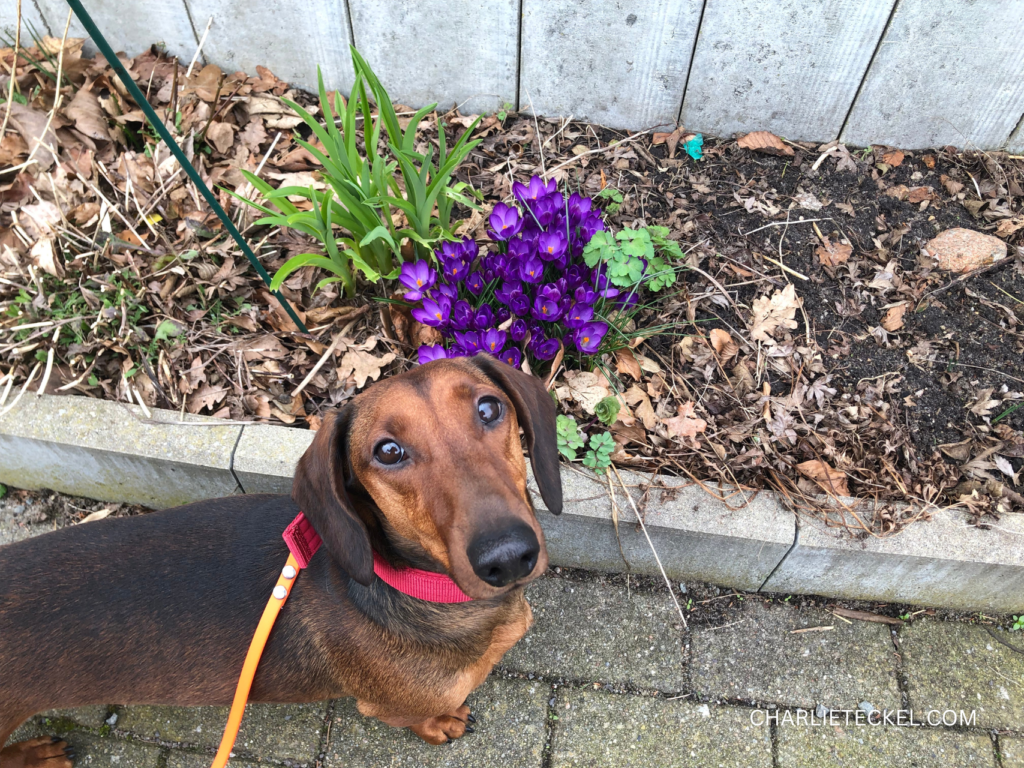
[
  {"x": 88, "y": 115},
  {"x": 893, "y": 319},
  {"x": 900, "y": 192},
  {"x": 31, "y": 124},
  {"x": 849, "y": 613},
  {"x": 221, "y": 135},
  {"x": 45, "y": 258},
  {"x": 362, "y": 365},
  {"x": 266, "y": 347},
  {"x": 833, "y": 255},
  {"x": 685, "y": 424},
  {"x": 1007, "y": 227},
  {"x": 206, "y": 396},
  {"x": 832, "y": 480},
  {"x": 920, "y": 194},
  {"x": 625, "y": 362},
  {"x": 99, "y": 514},
  {"x": 929, "y": 161},
  {"x": 773, "y": 313},
  {"x": 766, "y": 142},
  {"x": 584, "y": 387},
  {"x": 893, "y": 157},
  {"x": 723, "y": 343},
  {"x": 742, "y": 380}
]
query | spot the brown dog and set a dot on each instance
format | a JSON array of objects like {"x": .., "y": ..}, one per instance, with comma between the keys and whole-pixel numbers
[{"x": 425, "y": 468}]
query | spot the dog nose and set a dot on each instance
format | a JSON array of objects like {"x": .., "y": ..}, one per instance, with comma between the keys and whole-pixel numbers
[{"x": 502, "y": 558}]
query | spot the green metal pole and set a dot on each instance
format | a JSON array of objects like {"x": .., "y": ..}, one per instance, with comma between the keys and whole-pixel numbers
[{"x": 158, "y": 124}]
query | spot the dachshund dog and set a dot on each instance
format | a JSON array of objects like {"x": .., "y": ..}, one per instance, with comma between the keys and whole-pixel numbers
[{"x": 425, "y": 470}]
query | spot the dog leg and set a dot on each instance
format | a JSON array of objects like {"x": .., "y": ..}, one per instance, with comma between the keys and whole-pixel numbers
[
  {"x": 44, "y": 752},
  {"x": 444, "y": 728}
]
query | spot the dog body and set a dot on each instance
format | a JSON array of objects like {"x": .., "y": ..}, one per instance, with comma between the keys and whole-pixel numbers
[{"x": 160, "y": 608}]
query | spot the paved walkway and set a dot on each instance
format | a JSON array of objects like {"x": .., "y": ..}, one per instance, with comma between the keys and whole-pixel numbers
[{"x": 607, "y": 677}]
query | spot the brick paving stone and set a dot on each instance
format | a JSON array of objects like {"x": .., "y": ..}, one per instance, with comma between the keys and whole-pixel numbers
[
  {"x": 864, "y": 745},
  {"x": 597, "y": 632},
  {"x": 510, "y": 733},
  {"x": 961, "y": 667},
  {"x": 178, "y": 759},
  {"x": 1012, "y": 751},
  {"x": 759, "y": 659},
  {"x": 602, "y": 729},
  {"x": 269, "y": 731}
]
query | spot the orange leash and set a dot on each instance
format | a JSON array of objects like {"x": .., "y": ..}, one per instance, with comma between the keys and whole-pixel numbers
[{"x": 252, "y": 659}]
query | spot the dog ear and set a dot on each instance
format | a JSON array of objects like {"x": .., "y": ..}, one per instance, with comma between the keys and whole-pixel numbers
[
  {"x": 535, "y": 411},
  {"x": 319, "y": 490}
]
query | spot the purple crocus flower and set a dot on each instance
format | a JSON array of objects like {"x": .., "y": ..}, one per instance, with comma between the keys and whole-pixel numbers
[
  {"x": 584, "y": 294},
  {"x": 494, "y": 341},
  {"x": 475, "y": 283},
  {"x": 518, "y": 249},
  {"x": 503, "y": 292},
  {"x": 483, "y": 318},
  {"x": 552, "y": 245},
  {"x": 579, "y": 207},
  {"x": 576, "y": 275},
  {"x": 469, "y": 249},
  {"x": 455, "y": 270},
  {"x": 589, "y": 337},
  {"x": 501, "y": 314},
  {"x": 512, "y": 356},
  {"x": 579, "y": 315},
  {"x": 545, "y": 350},
  {"x": 418, "y": 277},
  {"x": 519, "y": 303},
  {"x": 531, "y": 269},
  {"x": 546, "y": 210},
  {"x": 505, "y": 222},
  {"x": 430, "y": 352},
  {"x": 462, "y": 315},
  {"x": 517, "y": 330},
  {"x": 468, "y": 341},
  {"x": 546, "y": 310},
  {"x": 434, "y": 313},
  {"x": 450, "y": 292},
  {"x": 536, "y": 189}
]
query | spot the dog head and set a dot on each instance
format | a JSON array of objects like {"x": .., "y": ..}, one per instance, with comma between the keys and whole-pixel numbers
[{"x": 431, "y": 462}]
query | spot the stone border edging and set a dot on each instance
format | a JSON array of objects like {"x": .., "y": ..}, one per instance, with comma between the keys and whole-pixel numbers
[{"x": 110, "y": 451}]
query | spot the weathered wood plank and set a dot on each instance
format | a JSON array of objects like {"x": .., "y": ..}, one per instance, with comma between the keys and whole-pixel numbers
[
  {"x": 436, "y": 50},
  {"x": 621, "y": 64},
  {"x": 130, "y": 27},
  {"x": 290, "y": 39},
  {"x": 947, "y": 72},
  {"x": 788, "y": 66}
]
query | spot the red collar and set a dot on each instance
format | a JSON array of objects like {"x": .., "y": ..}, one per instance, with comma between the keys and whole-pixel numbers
[{"x": 303, "y": 542}]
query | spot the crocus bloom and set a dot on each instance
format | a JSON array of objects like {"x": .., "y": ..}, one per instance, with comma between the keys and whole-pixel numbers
[
  {"x": 475, "y": 283},
  {"x": 483, "y": 318},
  {"x": 455, "y": 270},
  {"x": 503, "y": 292},
  {"x": 418, "y": 277},
  {"x": 519, "y": 303},
  {"x": 494, "y": 341},
  {"x": 579, "y": 207},
  {"x": 536, "y": 189},
  {"x": 501, "y": 314},
  {"x": 462, "y": 315},
  {"x": 585, "y": 295},
  {"x": 552, "y": 245},
  {"x": 512, "y": 356},
  {"x": 517, "y": 330},
  {"x": 579, "y": 315},
  {"x": 505, "y": 222},
  {"x": 546, "y": 310},
  {"x": 448, "y": 291},
  {"x": 434, "y": 312},
  {"x": 590, "y": 336},
  {"x": 545, "y": 350},
  {"x": 531, "y": 270},
  {"x": 468, "y": 341},
  {"x": 430, "y": 352}
]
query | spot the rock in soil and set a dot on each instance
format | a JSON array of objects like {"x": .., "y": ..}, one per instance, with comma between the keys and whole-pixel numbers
[{"x": 963, "y": 250}]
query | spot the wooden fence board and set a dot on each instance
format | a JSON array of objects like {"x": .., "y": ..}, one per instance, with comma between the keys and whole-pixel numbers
[
  {"x": 619, "y": 64},
  {"x": 790, "y": 66},
  {"x": 436, "y": 50},
  {"x": 947, "y": 72}
]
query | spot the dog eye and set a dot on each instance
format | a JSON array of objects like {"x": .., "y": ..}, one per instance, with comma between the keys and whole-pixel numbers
[
  {"x": 388, "y": 452},
  {"x": 489, "y": 409}
]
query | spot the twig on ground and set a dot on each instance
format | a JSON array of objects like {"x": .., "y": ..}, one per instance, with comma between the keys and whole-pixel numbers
[
  {"x": 24, "y": 387},
  {"x": 195, "y": 56}
]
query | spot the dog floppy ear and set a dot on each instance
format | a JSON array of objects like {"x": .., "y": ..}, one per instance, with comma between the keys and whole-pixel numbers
[
  {"x": 319, "y": 490},
  {"x": 535, "y": 411}
]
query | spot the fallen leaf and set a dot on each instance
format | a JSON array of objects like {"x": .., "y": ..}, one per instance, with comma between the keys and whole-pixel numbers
[
  {"x": 833, "y": 255},
  {"x": 99, "y": 514},
  {"x": 773, "y": 313},
  {"x": 266, "y": 347},
  {"x": 584, "y": 387},
  {"x": 625, "y": 362},
  {"x": 43, "y": 256},
  {"x": 1007, "y": 227},
  {"x": 832, "y": 480},
  {"x": 920, "y": 194},
  {"x": 685, "y": 424},
  {"x": 929, "y": 161},
  {"x": 893, "y": 319},
  {"x": 766, "y": 142},
  {"x": 807, "y": 201},
  {"x": 742, "y": 380},
  {"x": 362, "y": 365},
  {"x": 221, "y": 135},
  {"x": 88, "y": 115},
  {"x": 31, "y": 124},
  {"x": 206, "y": 396},
  {"x": 865, "y": 616},
  {"x": 723, "y": 343},
  {"x": 893, "y": 157}
]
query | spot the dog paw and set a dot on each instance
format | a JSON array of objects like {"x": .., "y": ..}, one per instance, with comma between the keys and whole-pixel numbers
[
  {"x": 44, "y": 752},
  {"x": 444, "y": 729}
]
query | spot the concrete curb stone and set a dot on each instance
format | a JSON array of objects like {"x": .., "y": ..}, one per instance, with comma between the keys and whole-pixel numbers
[
  {"x": 110, "y": 451},
  {"x": 1012, "y": 752}
]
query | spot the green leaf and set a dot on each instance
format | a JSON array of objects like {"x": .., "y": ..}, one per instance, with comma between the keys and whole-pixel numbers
[
  {"x": 166, "y": 330},
  {"x": 3, "y": 490},
  {"x": 601, "y": 448},
  {"x": 568, "y": 435},
  {"x": 298, "y": 262},
  {"x": 607, "y": 410}
]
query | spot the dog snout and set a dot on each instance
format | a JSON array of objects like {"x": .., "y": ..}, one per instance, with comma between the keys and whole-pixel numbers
[{"x": 504, "y": 557}]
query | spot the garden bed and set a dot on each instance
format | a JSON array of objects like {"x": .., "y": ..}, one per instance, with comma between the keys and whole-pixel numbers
[{"x": 872, "y": 374}]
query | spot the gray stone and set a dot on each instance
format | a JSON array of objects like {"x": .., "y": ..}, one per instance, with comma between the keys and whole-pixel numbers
[
  {"x": 243, "y": 36},
  {"x": 947, "y": 72},
  {"x": 178, "y": 759},
  {"x": 94, "y": 751},
  {"x": 791, "y": 67},
  {"x": 265, "y": 457},
  {"x": 129, "y": 29},
  {"x": 757, "y": 657},
  {"x": 958, "y": 667},
  {"x": 697, "y": 537},
  {"x": 599, "y": 729},
  {"x": 105, "y": 450},
  {"x": 623, "y": 66},
  {"x": 944, "y": 562},
  {"x": 802, "y": 746},
  {"x": 269, "y": 731},
  {"x": 31, "y": 18},
  {"x": 437, "y": 51},
  {"x": 90, "y": 717},
  {"x": 1011, "y": 750},
  {"x": 510, "y": 733},
  {"x": 598, "y": 632}
]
